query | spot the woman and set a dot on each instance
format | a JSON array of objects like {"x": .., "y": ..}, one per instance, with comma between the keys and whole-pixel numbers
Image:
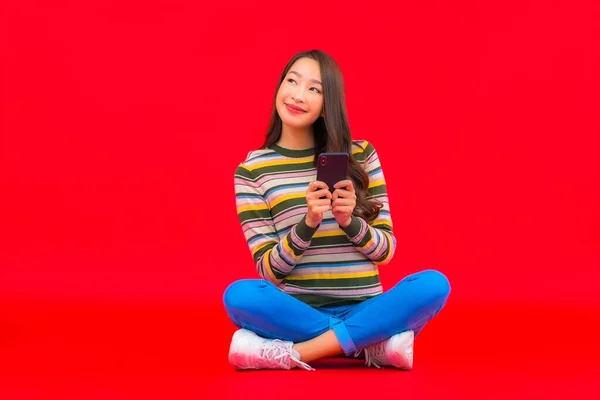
[{"x": 318, "y": 249}]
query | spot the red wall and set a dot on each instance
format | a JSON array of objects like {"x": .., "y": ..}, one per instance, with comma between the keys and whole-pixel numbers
[{"x": 122, "y": 125}]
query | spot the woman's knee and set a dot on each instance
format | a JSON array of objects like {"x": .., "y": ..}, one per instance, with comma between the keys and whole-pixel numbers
[
  {"x": 438, "y": 283},
  {"x": 434, "y": 283},
  {"x": 239, "y": 293}
]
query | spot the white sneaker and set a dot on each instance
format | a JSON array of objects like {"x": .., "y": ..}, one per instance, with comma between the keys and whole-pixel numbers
[
  {"x": 396, "y": 351},
  {"x": 250, "y": 351}
]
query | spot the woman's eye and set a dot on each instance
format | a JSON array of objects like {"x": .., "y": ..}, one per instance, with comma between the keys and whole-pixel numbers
[
  {"x": 315, "y": 90},
  {"x": 290, "y": 80}
]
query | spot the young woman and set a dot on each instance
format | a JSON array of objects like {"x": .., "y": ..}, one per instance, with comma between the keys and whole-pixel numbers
[{"x": 318, "y": 248}]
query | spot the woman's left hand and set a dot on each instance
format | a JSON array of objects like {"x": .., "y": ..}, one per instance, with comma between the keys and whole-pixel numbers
[{"x": 343, "y": 202}]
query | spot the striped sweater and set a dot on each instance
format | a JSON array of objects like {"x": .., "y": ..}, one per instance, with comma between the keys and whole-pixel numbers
[{"x": 327, "y": 265}]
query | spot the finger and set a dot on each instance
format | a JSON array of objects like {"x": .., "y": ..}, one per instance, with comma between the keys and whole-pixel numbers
[
  {"x": 343, "y": 210},
  {"x": 344, "y": 194},
  {"x": 343, "y": 202},
  {"x": 319, "y": 193},
  {"x": 346, "y": 183},
  {"x": 316, "y": 185},
  {"x": 320, "y": 202}
]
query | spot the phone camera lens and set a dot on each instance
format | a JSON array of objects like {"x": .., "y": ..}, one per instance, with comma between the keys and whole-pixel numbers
[{"x": 323, "y": 160}]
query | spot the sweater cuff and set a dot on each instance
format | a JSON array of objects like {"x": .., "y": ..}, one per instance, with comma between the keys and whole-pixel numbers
[
  {"x": 354, "y": 228},
  {"x": 304, "y": 231}
]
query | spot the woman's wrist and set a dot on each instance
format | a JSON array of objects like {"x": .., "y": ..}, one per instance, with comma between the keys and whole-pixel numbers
[
  {"x": 354, "y": 227},
  {"x": 304, "y": 230}
]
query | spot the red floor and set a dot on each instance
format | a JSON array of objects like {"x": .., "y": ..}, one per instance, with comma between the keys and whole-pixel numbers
[{"x": 179, "y": 352}]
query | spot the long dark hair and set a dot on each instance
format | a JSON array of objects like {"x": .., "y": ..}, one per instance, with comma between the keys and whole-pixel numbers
[{"x": 331, "y": 131}]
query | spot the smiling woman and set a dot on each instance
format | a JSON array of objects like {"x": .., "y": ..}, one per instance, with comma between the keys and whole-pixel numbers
[
  {"x": 299, "y": 101},
  {"x": 316, "y": 248},
  {"x": 310, "y": 112},
  {"x": 298, "y": 105}
]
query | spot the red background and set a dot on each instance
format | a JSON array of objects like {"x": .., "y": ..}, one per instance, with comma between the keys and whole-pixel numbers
[{"x": 122, "y": 124}]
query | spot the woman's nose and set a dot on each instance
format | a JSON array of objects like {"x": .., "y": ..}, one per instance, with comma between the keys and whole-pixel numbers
[{"x": 298, "y": 95}]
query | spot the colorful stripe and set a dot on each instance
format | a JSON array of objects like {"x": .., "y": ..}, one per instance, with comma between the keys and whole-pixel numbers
[{"x": 327, "y": 266}]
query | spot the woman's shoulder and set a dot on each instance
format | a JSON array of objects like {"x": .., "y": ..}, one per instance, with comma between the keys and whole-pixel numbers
[
  {"x": 362, "y": 150},
  {"x": 255, "y": 155},
  {"x": 253, "y": 158}
]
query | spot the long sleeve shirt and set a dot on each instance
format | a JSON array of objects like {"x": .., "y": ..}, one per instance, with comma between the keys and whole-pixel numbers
[{"x": 326, "y": 265}]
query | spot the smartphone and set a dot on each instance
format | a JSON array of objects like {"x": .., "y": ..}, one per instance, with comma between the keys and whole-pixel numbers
[{"x": 332, "y": 168}]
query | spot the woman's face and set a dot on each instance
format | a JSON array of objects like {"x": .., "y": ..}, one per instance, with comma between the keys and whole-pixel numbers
[{"x": 299, "y": 100}]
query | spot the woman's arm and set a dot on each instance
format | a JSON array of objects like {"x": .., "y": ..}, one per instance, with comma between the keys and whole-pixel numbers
[
  {"x": 377, "y": 240},
  {"x": 274, "y": 258}
]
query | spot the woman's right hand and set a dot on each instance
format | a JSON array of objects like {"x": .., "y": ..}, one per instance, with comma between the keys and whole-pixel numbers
[{"x": 316, "y": 205}]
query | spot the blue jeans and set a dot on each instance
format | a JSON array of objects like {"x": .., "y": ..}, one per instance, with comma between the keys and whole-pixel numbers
[{"x": 259, "y": 306}]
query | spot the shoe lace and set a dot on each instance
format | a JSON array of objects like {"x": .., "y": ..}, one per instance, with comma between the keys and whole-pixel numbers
[
  {"x": 374, "y": 354},
  {"x": 279, "y": 354}
]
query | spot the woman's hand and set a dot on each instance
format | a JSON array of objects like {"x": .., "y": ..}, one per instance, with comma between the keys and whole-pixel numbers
[
  {"x": 343, "y": 202},
  {"x": 316, "y": 205}
]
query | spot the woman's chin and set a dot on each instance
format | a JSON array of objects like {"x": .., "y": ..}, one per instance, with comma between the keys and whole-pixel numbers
[{"x": 296, "y": 123}]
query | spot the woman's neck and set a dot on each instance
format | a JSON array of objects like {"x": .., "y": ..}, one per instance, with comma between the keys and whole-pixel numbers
[{"x": 296, "y": 138}]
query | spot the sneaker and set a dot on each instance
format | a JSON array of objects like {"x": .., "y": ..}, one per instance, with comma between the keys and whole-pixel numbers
[
  {"x": 250, "y": 351},
  {"x": 396, "y": 351}
]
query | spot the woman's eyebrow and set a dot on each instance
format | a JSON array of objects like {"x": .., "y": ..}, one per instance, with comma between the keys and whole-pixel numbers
[{"x": 300, "y": 75}]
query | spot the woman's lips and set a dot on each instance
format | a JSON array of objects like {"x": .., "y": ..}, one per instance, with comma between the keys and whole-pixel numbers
[{"x": 294, "y": 109}]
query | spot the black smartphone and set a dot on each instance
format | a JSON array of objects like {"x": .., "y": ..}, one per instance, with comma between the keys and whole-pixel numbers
[{"x": 332, "y": 168}]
